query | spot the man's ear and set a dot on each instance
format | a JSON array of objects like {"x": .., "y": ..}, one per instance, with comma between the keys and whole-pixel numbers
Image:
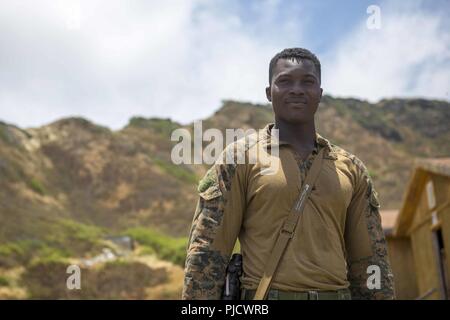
[
  {"x": 269, "y": 94},
  {"x": 321, "y": 92}
]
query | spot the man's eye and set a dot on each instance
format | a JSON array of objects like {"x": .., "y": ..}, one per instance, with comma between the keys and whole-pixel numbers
[{"x": 283, "y": 81}]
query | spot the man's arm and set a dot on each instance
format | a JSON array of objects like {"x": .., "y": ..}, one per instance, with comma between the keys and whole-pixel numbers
[
  {"x": 215, "y": 227},
  {"x": 366, "y": 244}
]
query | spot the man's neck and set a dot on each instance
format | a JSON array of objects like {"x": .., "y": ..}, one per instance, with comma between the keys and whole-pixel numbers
[{"x": 301, "y": 136}]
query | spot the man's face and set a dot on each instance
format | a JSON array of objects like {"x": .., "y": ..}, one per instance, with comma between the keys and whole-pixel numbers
[{"x": 295, "y": 91}]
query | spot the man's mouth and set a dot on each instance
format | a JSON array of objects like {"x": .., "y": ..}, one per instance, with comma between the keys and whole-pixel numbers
[{"x": 296, "y": 101}]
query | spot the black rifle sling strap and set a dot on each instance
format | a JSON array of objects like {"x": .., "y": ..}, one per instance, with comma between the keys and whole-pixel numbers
[{"x": 287, "y": 231}]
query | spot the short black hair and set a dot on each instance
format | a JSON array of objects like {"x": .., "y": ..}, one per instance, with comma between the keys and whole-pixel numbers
[{"x": 294, "y": 54}]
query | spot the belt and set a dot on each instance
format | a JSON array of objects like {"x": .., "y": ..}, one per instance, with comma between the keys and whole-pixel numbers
[{"x": 274, "y": 294}]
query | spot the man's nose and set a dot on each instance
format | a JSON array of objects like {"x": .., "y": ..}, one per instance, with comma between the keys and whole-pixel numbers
[{"x": 297, "y": 88}]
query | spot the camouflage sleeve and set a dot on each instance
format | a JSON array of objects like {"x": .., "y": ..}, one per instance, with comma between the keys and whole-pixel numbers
[
  {"x": 215, "y": 227},
  {"x": 369, "y": 271}
]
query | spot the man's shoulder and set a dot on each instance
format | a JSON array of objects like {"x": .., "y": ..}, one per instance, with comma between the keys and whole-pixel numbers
[
  {"x": 351, "y": 160},
  {"x": 356, "y": 166},
  {"x": 234, "y": 157},
  {"x": 222, "y": 171},
  {"x": 238, "y": 149}
]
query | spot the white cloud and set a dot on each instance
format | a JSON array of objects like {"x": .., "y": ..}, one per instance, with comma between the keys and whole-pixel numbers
[
  {"x": 110, "y": 60},
  {"x": 105, "y": 70},
  {"x": 408, "y": 57}
]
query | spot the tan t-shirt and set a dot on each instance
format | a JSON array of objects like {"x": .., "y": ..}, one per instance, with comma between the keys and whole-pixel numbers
[{"x": 339, "y": 227}]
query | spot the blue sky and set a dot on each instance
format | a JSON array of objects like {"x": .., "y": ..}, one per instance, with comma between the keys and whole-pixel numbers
[
  {"x": 324, "y": 21},
  {"x": 111, "y": 60}
]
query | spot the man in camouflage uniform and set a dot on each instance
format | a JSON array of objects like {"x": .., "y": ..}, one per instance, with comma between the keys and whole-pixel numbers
[{"x": 339, "y": 234}]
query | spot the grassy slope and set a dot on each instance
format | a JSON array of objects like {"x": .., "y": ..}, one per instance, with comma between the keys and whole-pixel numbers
[{"x": 67, "y": 185}]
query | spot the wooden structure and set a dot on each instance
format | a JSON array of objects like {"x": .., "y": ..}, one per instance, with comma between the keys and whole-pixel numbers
[{"x": 418, "y": 235}]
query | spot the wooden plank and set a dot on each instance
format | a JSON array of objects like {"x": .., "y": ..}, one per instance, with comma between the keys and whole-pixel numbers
[
  {"x": 402, "y": 264},
  {"x": 425, "y": 261},
  {"x": 406, "y": 215}
]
